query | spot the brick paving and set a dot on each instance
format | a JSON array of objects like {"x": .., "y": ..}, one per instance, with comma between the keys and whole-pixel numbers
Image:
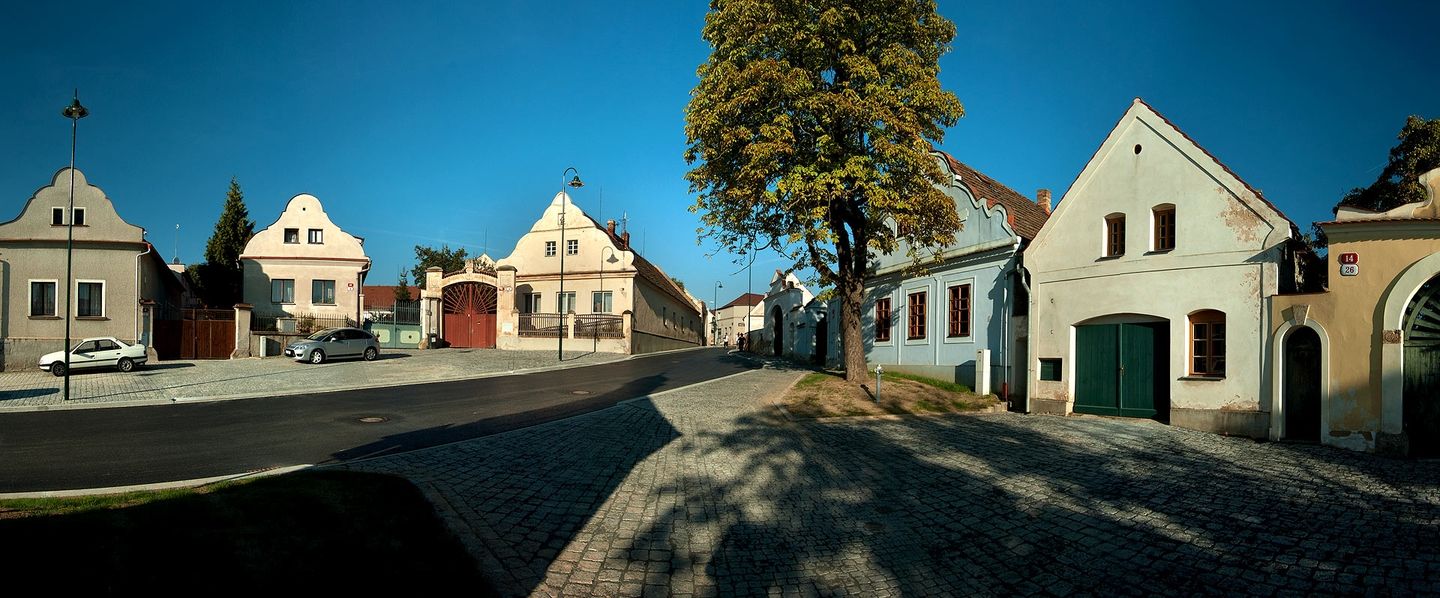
[
  {"x": 706, "y": 491},
  {"x": 167, "y": 381}
]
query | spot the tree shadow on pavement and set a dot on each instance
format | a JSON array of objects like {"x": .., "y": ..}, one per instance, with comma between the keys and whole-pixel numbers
[{"x": 26, "y": 393}]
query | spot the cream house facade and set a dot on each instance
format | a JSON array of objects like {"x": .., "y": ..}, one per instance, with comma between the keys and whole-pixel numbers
[
  {"x": 1358, "y": 365},
  {"x": 740, "y": 316},
  {"x": 304, "y": 264},
  {"x": 609, "y": 298},
  {"x": 1150, "y": 286},
  {"x": 118, "y": 278}
]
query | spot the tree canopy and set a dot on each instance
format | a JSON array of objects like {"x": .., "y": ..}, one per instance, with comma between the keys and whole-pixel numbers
[
  {"x": 402, "y": 289},
  {"x": 446, "y": 259},
  {"x": 1417, "y": 153},
  {"x": 219, "y": 281},
  {"x": 811, "y": 130}
]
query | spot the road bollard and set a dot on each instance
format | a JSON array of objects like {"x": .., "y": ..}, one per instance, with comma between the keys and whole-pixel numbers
[{"x": 879, "y": 372}]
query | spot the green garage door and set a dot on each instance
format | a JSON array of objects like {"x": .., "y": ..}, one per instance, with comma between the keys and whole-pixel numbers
[{"x": 1120, "y": 369}]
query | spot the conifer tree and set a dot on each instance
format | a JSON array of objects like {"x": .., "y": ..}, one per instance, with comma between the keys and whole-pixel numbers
[{"x": 220, "y": 278}]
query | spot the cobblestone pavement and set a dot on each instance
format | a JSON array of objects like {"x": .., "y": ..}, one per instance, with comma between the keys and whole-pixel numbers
[
  {"x": 705, "y": 491},
  {"x": 171, "y": 380}
]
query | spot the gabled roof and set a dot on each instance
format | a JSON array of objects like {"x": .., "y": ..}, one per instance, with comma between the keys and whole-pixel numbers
[
  {"x": 747, "y": 299},
  {"x": 650, "y": 272},
  {"x": 1024, "y": 216}
]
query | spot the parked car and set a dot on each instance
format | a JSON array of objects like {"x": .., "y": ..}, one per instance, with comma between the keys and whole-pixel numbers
[
  {"x": 334, "y": 342},
  {"x": 98, "y": 352}
]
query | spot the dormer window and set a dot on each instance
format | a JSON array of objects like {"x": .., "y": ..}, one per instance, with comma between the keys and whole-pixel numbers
[
  {"x": 1115, "y": 235},
  {"x": 1164, "y": 218}
]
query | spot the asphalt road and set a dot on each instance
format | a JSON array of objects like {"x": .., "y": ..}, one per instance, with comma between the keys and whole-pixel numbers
[{"x": 96, "y": 448}]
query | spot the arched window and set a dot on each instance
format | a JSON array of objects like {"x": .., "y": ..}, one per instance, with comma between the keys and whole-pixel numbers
[
  {"x": 1114, "y": 235},
  {"x": 1207, "y": 343},
  {"x": 1163, "y": 217}
]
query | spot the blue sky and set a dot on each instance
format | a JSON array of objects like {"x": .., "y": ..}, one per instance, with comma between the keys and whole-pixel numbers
[{"x": 451, "y": 123}]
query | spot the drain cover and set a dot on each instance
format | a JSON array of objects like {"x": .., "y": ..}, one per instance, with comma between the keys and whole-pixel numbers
[
  {"x": 579, "y": 392},
  {"x": 374, "y": 419}
]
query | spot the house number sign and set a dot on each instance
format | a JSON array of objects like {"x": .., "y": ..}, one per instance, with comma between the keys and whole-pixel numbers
[{"x": 1349, "y": 264}]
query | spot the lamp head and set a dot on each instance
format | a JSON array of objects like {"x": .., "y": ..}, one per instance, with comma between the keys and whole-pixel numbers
[
  {"x": 75, "y": 111},
  {"x": 575, "y": 182}
]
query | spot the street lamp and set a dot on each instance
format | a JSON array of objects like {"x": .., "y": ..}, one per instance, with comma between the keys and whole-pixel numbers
[
  {"x": 714, "y": 321},
  {"x": 74, "y": 112},
  {"x": 575, "y": 183}
]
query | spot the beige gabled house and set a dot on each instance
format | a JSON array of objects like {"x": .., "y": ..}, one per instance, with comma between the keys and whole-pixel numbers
[
  {"x": 305, "y": 265},
  {"x": 117, "y": 282},
  {"x": 607, "y": 298},
  {"x": 740, "y": 316}
]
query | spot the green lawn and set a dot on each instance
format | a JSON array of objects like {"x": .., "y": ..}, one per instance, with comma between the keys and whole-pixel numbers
[{"x": 311, "y": 530}]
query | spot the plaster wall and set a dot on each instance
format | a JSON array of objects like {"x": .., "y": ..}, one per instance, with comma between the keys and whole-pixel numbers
[{"x": 339, "y": 257}]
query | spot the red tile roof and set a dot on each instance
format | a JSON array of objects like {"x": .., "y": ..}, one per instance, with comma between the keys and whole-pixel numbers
[
  {"x": 1024, "y": 216},
  {"x": 651, "y": 272},
  {"x": 747, "y": 299},
  {"x": 384, "y": 295}
]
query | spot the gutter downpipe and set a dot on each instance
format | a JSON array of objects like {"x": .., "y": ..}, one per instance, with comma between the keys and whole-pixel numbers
[
  {"x": 1007, "y": 311},
  {"x": 360, "y": 293},
  {"x": 138, "y": 290}
]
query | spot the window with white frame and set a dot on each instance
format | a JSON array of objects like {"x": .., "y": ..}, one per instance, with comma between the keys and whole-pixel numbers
[
  {"x": 549, "y": 249},
  {"x": 565, "y": 302},
  {"x": 292, "y": 236},
  {"x": 600, "y": 302},
  {"x": 42, "y": 298},
  {"x": 322, "y": 292},
  {"x": 282, "y": 290},
  {"x": 57, "y": 216},
  {"x": 317, "y": 236},
  {"x": 79, "y": 217},
  {"x": 530, "y": 303},
  {"x": 572, "y": 246},
  {"x": 90, "y": 299}
]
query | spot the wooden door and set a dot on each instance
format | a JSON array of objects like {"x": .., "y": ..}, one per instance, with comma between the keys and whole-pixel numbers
[
  {"x": 1302, "y": 385},
  {"x": 1422, "y": 371},
  {"x": 1121, "y": 369}
]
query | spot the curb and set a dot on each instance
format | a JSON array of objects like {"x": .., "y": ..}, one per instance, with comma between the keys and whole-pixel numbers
[
  {"x": 243, "y": 396},
  {"x": 156, "y": 486}
]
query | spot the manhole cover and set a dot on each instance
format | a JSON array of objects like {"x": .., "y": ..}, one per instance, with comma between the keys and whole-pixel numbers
[
  {"x": 374, "y": 419},
  {"x": 579, "y": 392}
]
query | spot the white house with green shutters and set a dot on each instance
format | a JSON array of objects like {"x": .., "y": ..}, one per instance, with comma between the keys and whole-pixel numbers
[{"x": 1150, "y": 286}]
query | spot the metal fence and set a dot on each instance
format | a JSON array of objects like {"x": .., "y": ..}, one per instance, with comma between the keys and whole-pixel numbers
[
  {"x": 403, "y": 312},
  {"x": 300, "y": 323},
  {"x": 543, "y": 325},
  {"x": 599, "y": 326}
]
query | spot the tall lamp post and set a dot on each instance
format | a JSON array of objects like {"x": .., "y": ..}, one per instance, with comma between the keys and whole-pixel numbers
[
  {"x": 560, "y": 298},
  {"x": 714, "y": 313},
  {"x": 74, "y": 112}
]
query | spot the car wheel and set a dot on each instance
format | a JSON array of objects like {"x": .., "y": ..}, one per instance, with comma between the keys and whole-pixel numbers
[
  {"x": 317, "y": 356},
  {"x": 125, "y": 364},
  {"x": 371, "y": 353},
  {"x": 58, "y": 368}
]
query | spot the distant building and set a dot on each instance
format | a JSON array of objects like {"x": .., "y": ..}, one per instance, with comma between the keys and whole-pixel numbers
[
  {"x": 305, "y": 265},
  {"x": 118, "y": 282},
  {"x": 743, "y": 314}
]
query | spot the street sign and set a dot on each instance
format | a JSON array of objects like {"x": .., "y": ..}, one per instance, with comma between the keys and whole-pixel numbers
[
  {"x": 1350, "y": 258},
  {"x": 1349, "y": 269}
]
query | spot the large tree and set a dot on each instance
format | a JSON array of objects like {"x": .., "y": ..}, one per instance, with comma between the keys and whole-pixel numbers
[
  {"x": 1417, "y": 152},
  {"x": 448, "y": 260},
  {"x": 220, "y": 279},
  {"x": 812, "y": 127}
]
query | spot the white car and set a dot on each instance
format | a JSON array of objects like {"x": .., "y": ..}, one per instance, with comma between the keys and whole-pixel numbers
[{"x": 99, "y": 352}]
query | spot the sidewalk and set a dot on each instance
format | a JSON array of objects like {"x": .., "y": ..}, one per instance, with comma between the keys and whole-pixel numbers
[
  {"x": 706, "y": 491},
  {"x": 180, "y": 381}
]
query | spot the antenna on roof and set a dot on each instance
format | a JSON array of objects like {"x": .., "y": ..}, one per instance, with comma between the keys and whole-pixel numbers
[{"x": 624, "y": 222}]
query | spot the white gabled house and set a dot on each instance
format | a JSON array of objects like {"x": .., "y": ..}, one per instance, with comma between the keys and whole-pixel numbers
[{"x": 1150, "y": 286}]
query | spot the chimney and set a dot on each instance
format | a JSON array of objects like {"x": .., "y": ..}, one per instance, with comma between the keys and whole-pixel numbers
[
  {"x": 625, "y": 240},
  {"x": 1042, "y": 197},
  {"x": 610, "y": 227}
]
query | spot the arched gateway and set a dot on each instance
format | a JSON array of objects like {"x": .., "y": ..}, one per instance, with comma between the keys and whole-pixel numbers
[{"x": 469, "y": 314}]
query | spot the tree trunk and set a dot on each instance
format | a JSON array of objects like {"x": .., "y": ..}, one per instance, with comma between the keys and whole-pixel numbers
[{"x": 852, "y": 299}]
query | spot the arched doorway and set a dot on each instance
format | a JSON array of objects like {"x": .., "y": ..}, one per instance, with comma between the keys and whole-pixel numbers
[
  {"x": 822, "y": 340},
  {"x": 1302, "y": 385},
  {"x": 779, "y": 327},
  {"x": 469, "y": 315},
  {"x": 1422, "y": 371}
]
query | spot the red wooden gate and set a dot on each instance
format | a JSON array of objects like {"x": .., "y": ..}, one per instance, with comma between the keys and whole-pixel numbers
[
  {"x": 195, "y": 334},
  {"x": 469, "y": 319}
]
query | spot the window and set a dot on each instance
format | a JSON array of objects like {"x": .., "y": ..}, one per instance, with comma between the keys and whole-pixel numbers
[
  {"x": 322, "y": 292},
  {"x": 79, "y": 217},
  {"x": 530, "y": 303},
  {"x": 600, "y": 302},
  {"x": 1207, "y": 340},
  {"x": 90, "y": 299},
  {"x": 42, "y": 298},
  {"x": 106, "y": 345},
  {"x": 565, "y": 302},
  {"x": 317, "y": 236},
  {"x": 1164, "y": 227},
  {"x": 882, "y": 320},
  {"x": 1114, "y": 235},
  {"x": 572, "y": 246},
  {"x": 86, "y": 347},
  {"x": 1050, "y": 369},
  {"x": 916, "y": 315},
  {"x": 282, "y": 290},
  {"x": 292, "y": 235},
  {"x": 665, "y": 316},
  {"x": 959, "y": 311},
  {"x": 57, "y": 216},
  {"x": 549, "y": 249}
]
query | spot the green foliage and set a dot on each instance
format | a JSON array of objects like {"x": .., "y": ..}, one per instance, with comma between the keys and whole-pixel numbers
[
  {"x": 219, "y": 280},
  {"x": 1417, "y": 153},
  {"x": 812, "y": 127},
  {"x": 940, "y": 384},
  {"x": 402, "y": 289},
  {"x": 444, "y": 258},
  {"x": 678, "y": 282}
]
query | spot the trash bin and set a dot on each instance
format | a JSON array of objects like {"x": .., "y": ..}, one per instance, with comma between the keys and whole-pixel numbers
[{"x": 434, "y": 341}]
